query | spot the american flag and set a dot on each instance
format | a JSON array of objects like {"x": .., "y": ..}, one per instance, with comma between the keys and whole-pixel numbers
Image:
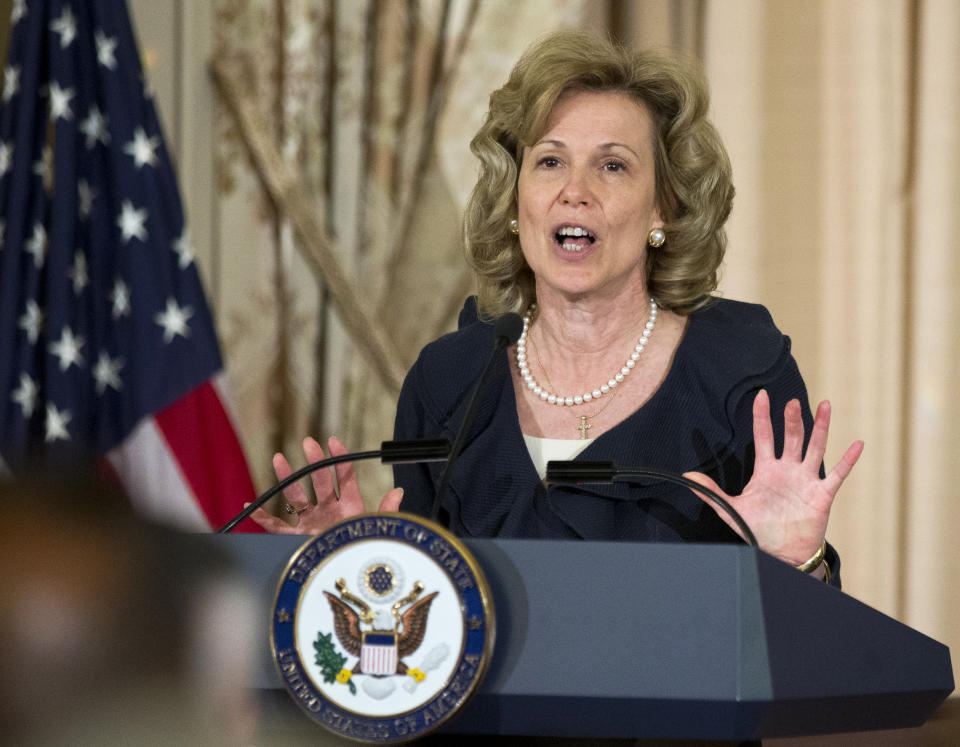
[{"x": 107, "y": 348}]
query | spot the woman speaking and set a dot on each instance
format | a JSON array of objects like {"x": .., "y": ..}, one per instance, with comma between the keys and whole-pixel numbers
[{"x": 598, "y": 216}]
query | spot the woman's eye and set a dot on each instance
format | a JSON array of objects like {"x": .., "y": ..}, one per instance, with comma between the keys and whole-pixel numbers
[
  {"x": 614, "y": 166},
  {"x": 549, "y": 162}
]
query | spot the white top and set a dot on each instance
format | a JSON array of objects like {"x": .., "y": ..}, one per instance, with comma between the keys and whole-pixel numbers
[{"x": 543, "y": 450}]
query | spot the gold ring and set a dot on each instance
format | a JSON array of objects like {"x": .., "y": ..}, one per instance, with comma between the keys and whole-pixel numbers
[{"x": 291, "y": 509}]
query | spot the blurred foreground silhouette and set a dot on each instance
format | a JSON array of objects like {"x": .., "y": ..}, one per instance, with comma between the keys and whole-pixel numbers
[{"x": 112, "y": 630}]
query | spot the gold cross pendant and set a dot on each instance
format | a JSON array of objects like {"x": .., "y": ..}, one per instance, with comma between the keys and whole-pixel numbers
[{"x": 583, "y": 427}]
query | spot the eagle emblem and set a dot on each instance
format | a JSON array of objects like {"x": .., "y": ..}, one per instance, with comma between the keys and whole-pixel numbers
[
  {"x": 390, "y": 636},
  {"x": 382, "y": 627}
]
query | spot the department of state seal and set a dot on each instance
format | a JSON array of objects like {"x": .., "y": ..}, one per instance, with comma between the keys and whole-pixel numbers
[{"x": 382, "y": 627}]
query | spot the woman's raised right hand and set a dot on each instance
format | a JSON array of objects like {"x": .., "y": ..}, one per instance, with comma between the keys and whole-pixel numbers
[{"x": 335, "y": 502}]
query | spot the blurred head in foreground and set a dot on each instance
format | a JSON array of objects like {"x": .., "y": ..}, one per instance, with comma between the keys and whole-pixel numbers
[{"x": 111, "y": 630}]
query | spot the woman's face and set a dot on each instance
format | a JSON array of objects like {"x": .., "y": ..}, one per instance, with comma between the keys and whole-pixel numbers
[{"x": 586, "y": 197}]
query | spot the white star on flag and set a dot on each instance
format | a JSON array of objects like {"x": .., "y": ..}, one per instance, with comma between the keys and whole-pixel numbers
[
  {"x": 26, "y": 395},
  {"x": 67, "y": 349},
  {"x": 56, "y": 425},
  {"x": 60, "y": 102},
  {"x": 37, "y": 244},
  {"x": 141, "y": 148},
  {"x": 184, "y": 250},
  {"x": 65, "y": 26},
  {"x": 174, "y": 320},
  {"x": 11, "y": 82},
  {"x": 120, "y": 298},
  {"x": 18, "y": 12},
  {"x": 85, "y": 195},
  {"x": 31, "y": 321},
  {"x": 95, "y": 127},
  {"x": 78, "y": 274},
  {"x": 98, "y": 308},
  {"x": 44, "y": 167},
  {"x": 131, "y": 220},
  {"x": 106, "y": 373},
  {"x": 6, "y": 158},
  {"x": 147, "y": 86},
  {"x": 106, "y": 45}
]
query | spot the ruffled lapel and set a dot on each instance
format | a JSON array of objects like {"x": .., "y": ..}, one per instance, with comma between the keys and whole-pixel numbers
[
  {"x": 688, "y": 424},
  {"x": 494, "y": 468}
]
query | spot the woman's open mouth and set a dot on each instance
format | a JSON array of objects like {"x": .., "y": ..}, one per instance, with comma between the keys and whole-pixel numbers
[{"x": 573, "y": 238}]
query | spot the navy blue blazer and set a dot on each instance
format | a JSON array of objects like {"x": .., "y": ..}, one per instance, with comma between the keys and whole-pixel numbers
[{"x": 699, "y": 419}]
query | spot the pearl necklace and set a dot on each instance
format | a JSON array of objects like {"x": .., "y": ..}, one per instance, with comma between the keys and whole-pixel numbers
[{"x": 556, "y": 399}]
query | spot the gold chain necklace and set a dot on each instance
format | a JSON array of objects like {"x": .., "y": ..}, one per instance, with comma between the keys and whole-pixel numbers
[
  {"x": 584, "y": 425},
  {"x": 575, "y": 400},
  {"x": 589, "y": 396}
]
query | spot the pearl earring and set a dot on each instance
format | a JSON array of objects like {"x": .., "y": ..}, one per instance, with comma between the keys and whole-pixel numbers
[
  {"x": 656, "y": 238},
  {"x": 514, "y": 226}
]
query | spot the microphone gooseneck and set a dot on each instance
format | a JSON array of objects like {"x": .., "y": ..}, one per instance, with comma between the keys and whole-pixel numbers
[
  {"x": 605, "y": 473},
  {"x": 506, "y": 331},
  {"x": 289, "y": 480},
  {"x": 390, "y": 452}
]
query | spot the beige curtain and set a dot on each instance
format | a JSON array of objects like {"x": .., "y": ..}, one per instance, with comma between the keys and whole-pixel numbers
[
  {"x": 930, "y": 555},
  {"x": 842, "y": 124},
  {"x": 841, "y": 121},
  {"x": 349, "y": 260}
]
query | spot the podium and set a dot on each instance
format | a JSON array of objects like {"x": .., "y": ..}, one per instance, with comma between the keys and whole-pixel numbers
[{"x": 685, "y": 641}]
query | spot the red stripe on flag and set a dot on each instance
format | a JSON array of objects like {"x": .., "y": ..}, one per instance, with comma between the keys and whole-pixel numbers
[{"x": 204, "y": 443}]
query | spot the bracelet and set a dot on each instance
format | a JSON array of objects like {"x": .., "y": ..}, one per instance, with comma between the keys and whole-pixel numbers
[{"x": 816, "y": 560}]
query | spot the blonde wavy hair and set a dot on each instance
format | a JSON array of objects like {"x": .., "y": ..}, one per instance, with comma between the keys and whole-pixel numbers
[{"x": 694, "y": 190}]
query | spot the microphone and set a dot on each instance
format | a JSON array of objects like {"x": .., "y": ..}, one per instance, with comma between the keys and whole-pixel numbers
[
  {"x": 507, "y": 328},
  {"x": 605, "y": 473},
  {"x": 506, "y": 331},
  {"x": 390, "y": 452}
]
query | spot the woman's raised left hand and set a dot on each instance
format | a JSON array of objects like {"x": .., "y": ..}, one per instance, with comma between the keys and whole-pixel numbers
[{"x": 786, "y": 503}]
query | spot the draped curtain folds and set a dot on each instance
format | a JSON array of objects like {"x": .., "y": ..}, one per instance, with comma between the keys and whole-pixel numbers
[
  {"x": 840, "y": 119},
  {"x": 346, "y": 125},
  {"x": 931, "y": 545}
]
